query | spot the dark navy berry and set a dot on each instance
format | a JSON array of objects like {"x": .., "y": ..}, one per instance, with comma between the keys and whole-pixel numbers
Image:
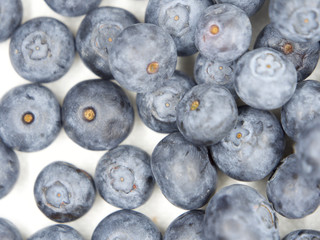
[
  {"x": 56, "y": 232},
  {"x": 304, "y": 234},
  {"x": 8, "y": 231},
  {"x": 249, "y": 6}
]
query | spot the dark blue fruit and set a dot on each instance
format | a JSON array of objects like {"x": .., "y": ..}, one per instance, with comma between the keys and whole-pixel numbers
[
  {"x": 249, "y": 6},
  {"x": 304, "y": 234},
  {"x": 8, "y": 231},
  {"x": 56, "y": 232}
]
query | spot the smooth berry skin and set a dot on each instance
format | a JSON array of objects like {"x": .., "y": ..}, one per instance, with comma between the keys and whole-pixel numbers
[
  {"x": 257, "y": 133},
  {"x": 42, "y": 50},
  {"x": 223, "y": 33},
  {"x": 179, "y": 18},
  {"x": 304, "y": 56},
  {"x": 206, "y": 114},
  {"x": 56, "y": 232},
  {"x": 126, "y": 224},
  {"x": 265, "y": 79},
  {"x": 96, "y": 35},
  {"x": 143, "y": 57},
  {"x": 58, "y": 195},
  {"x": 183, "y": 172},
  {"x": 8, "y": 230},
  {"x": 43, "y": 128},
  {"x": 10, "y": 17},
  {"x": 249, "y": 6},
  {"x": 113, "y": 114},
  {"x": 303, "y": 234}
]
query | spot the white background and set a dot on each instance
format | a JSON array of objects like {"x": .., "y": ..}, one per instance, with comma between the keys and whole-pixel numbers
[{"x": 19, "y": 205}]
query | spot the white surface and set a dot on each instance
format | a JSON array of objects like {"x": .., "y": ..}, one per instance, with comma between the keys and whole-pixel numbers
[{"x": 19, "y": 205}]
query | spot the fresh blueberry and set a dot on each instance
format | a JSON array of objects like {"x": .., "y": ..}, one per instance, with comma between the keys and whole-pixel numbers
[
  {"x": 157, "y": 109},
  {"x": 30, "y": 118},
  {"x": 96, "y": 35},
  {"x": 97, "y": 114},
  {"x": 249, "y": 6},
  {"x": 126, "y": 224},
  {"x": 223, "y": 33},
  {"x": 10, "y": 17},
  {"x": 63, "y": 192},
  {"x": 143, "y": 57},
  {"x": 42, "y": 50},
  {"x": 206, "y": 114},
  {"x": 265, "y": 78},
  {"x": 304, "y": 56},
  {"x": 304, "y": 234},
  {"x": 8, "y": 231},
  {"x": 239, "y": 212},
  {"x": 257, "y": 133},
  {"x": 56, "y": 232},
  {"x": 178, "y": 18},
  {"x": 183, "y": 172}
]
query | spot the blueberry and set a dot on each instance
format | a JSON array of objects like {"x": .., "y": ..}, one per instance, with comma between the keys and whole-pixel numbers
[
  {"x": 30, "y": 118},
  {"x": 10, "y": 17},
  {"x": 143, "y": 57},
  {"x": 223, "y": 33},
  {"x": 206, "y": 114},
  {"x": 265, "y": 78},
  {"x": 304, "y": 56},
  {"x": 183, "y": 172},
  {"x": 124, "y": 178},
  {"x": 58, "y": 195},
  {"x": 304, "y": 234},
  {"x": 72, "y": 8},
  {"x": 157, "y": 109},
  {"x": 126, "y": 224},
  {"x": 179, "y": 18},
  {"x": 97, "y": 114},
  {"x": 239, "y": 212},
  {"x": 96, "y": 35},
  {"x": 42, "y": 50},
  {"x": 257, "y": 133},
  {"x": 249, "y": 6},
  {"x": 8, "y": 231},
  {"x": 186, "y": 226},
  {"x": 56, "y": 232}
]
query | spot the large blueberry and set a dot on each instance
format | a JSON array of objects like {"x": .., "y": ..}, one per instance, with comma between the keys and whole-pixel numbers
[
  {"x": 56, "y": 232},
  {"x": 303, "y": 234},
  {"x": 30, "y": 118},
  {"x": 249, "y": 6},
  {"x": 97, "y": 114},
  {"x": 10, "y": 17},
  {"x": 8, "y": 231}
]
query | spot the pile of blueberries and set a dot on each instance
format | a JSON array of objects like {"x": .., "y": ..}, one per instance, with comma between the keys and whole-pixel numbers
[{"x": 206, "y": 126}]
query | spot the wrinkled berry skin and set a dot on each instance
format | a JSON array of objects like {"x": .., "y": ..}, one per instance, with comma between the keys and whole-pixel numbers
[
  {"x": 244, "y": 210},
  {"x": 183, "y": 172},
  {"x": 42, "y": 50},
  {"x": 97, "y": 114},
  {"x": 58, "y": 195},
  {"x": 257, "y": 133},
  {"x": 179, "y": 18},
  {"x": 43, "y": 125},
  {"x": 96, "y": 35},
  {"x": 304, "y": 56},
  {"x": 9, "y": 231},
  {"x": 157, "y": 109},
  {"x": 10, "y": 17},
  {"x": 206, "y": 114},
  {"x": 56, "y": 232},
  {"x": 126, "y": 224},
  {"x": 249, "y": 6},
  {"x": 303, "y": 234}
]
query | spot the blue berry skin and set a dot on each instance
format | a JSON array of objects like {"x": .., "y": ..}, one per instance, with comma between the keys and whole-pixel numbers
[
  {"x": 124, "y": 178},
  {"x": 157, "y": 109},
  {"x": 186, "y": 226},
  {"x": 297, "y": 20},
  {"x": 304, "y": 56},
  {"x": 97, "y": 114},
  {"x": 9, "y": 170},
  {"x": 126, "y": 224},
  {"x": 249, "y": 6},
  {"x": 42, "y": 50},
  {"x": 58, "y": 195},
  {"x": 239, "y": 212},
  {"x": 257, "y": 133},
  {"x": 265, "y": 79},
  {"x": 206, "y": 114},
  {"x": 302, "y": 108},
  {"x": 292, "y": 194},
  {"x": 178, "y": 18},
  {"x": 143, "y": 57},
  {"x": 183, "y": 172},
  {"x": 72, "y": 8},
  {"x": 303, "y": 234},
  {"x": 96, "y": 35},
  {"x": 8, "y": 230},
  {"x": 30, "y": 118},
  {"x": 10, "y": 17},
  {"x": 223, "y": 33},
  {"x": 56, "y": 232}
]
